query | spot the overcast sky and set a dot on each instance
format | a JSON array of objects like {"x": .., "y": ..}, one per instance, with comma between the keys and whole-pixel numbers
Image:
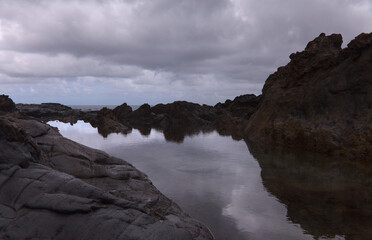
[{"x": 110, "y": 52}]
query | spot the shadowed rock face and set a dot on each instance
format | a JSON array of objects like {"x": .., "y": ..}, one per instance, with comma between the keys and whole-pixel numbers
[
  {"x": 54, "y": 188},
  {"x": 326, "y": 197},
  {"x": 6, "y": 104},
  {"x": 321, "y": 101}
]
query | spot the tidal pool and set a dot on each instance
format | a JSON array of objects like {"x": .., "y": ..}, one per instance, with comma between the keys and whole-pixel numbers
[{"x": 244, "y": 192}]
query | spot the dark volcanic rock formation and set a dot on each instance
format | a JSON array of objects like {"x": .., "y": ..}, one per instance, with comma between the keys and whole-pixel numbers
[
  {"x": 233, "y": 115},
  {"x": 178, "y": 119},
  {"x": 54, "y": 188},
  {"x": 6, "y": 104},
  {"x": 106, "y": 122},
  {"x": 321, "y": 101},
  {"x": 50, "y": 111}
]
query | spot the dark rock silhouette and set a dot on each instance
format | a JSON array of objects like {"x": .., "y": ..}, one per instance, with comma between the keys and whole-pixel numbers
[
  {"x": 176, "y": 120},
  {"x": 48, "y": 111},
  {"x": 6, "y": 104},
  {"x": 122, "y": 111},
  {"x": 106, "y": 122},
  {"x": 321, "y": 101}
]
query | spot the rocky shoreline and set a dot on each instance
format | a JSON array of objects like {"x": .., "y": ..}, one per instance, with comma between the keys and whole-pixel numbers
[
  {"x": 179, "y": 118},
  {"x": 320, "y": 102},
  {"x": 54, "y": 188}
]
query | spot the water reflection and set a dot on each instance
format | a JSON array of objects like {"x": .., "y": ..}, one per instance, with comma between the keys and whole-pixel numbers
[
  {"x": 328, "y": 198},
  {"x": 270, "y": 195}
]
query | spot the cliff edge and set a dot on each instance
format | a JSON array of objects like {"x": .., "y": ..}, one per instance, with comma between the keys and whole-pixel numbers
[{"x": 321, "y": 101}]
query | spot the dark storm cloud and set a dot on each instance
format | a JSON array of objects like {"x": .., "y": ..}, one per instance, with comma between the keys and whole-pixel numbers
[{"x": 231, "y": 43}]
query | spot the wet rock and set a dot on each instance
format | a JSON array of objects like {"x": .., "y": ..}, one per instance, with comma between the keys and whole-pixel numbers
[{"x": 321, "y": 101}]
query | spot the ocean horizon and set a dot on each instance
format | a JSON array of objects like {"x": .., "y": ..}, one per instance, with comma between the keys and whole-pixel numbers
[{"x": 98, "y": 107}]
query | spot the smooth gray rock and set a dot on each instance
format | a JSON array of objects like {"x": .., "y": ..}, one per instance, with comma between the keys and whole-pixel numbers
[{"x": 54, "y": 188}]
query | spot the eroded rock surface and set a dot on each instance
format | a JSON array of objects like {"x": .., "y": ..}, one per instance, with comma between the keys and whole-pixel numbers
[
  {"x": 321, "y": 101},
  {"x": 54, "y": 188}
]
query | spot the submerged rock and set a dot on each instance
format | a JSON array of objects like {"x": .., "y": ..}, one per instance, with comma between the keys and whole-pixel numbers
[{"x": 321, "y": 101}]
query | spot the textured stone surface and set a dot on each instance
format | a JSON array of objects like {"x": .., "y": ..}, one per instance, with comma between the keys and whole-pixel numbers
[
  {"x": 54, "y": 188},
  {"x": 321, "y": 101}
]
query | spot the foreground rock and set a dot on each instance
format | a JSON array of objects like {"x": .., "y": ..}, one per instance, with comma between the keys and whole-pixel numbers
[
  {"x": 54, "y": 188},
  {"x": 321, "y": 101}
]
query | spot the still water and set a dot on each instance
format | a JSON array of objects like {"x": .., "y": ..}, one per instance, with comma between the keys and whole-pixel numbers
[{"x": 244, "y": 192}]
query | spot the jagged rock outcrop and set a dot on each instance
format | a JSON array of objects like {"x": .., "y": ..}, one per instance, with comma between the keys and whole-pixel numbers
[
  {"x": 6, "y": 104},
  {"x": 176, "y": 120},
  {"x": 54, "y": 188},
  {"x": 122, "y": 111},
  {"x": 181, "y": 118},
  {"x": 106, "y": 122},
  {"x": 233, "y": 115},
  {"x": 321, "y": 101},
  {"x": 242, "y": 106}
]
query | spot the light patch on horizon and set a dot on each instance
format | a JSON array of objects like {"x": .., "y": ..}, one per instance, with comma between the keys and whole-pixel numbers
[{"x": 161, "y": 50}]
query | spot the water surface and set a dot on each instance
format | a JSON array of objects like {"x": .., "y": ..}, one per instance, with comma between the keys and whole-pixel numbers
[{"x": 269, "y": 196}]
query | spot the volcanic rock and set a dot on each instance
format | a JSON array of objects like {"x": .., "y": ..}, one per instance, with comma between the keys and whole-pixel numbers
[
  {"x": 50, "y": 111},
  {"x": 106, "y": 122},
  {"x": 321, "y": 101},
  {"x": 6, "y": 104},
  {"x": 122, "y": 111}
]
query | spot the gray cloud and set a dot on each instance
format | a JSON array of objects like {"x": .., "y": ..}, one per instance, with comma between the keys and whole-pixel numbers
[{"x": 169, "y": 44}]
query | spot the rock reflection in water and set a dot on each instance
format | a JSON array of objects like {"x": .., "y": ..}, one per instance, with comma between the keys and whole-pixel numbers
[
  {"x": 216, "y": 180},
  {"x": 328, "y": 198}
]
